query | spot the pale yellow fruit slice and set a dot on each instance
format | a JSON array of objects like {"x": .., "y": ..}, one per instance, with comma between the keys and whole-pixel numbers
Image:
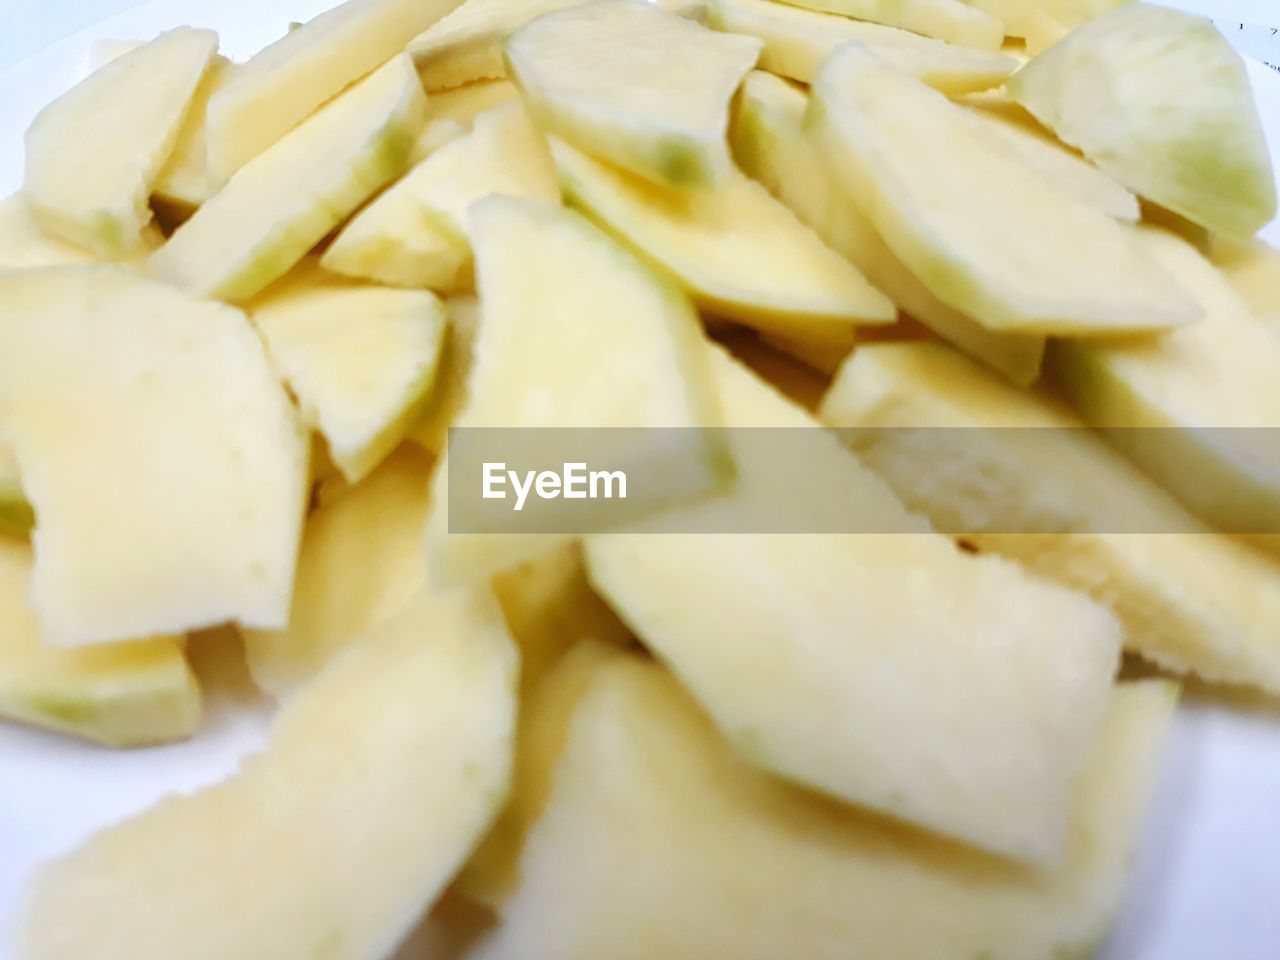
[
  {"x": 739, "y": 253},
  {"x": 95, "y": 152},
  {"x": 576, "y": 333},
  {"x": 694, "y": 10},
  {"x": 163, "y": 459},
  {"x": 360, "y": 361},
  {"x": 451, "y": 113},
  {"x": 449, "y": 396},
  {"x": 1028, "y": 18},
  {"x": 122, "y": 695},
  {"x": 770, "y": 144},
  {"x": 1203, "y": 399},
  {"x": 24, "y": 243},
  {"x": 827, "y": 658},
  {"x": 282, "y": 85},
  {"x": 389, "y": 768},
  {"x": 1160, "y": 100},
  {"x": 656, "y": 841},
  {"x": 1018, "y": 474},
  {"x": 16, "y": 514},
  {"x": 467, "y": 44},
  {"x": 1254, "y": 270},
  {"x": 414, "y": 235},
  {"x": 951, "y": 20},
  {"x": 797, "y": 41},
  {"x": 594, "y": 75},
  {"x": 967, "y": 216},
  {"x": 185, "y": 179},
  {"x": 361, "y": 562},
  {"x": 286, "y": 200}
]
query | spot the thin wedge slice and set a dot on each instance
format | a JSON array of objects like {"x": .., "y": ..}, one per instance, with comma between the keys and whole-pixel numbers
[
  {"x": 418, "y": 717},
  {"x": 770, "y": 144},
  {"x": 285, "y": 201},
  {"x": 1160, "y": 100},
  {"x": 968, "y": 218},
  {"x": 467, "y": 44},
  {"x": 449, "y": 396},
  {"x": 16, "y": 515},
  {"x": 797, "y": 41},
  {"x": 656, "y": 841},
  {"x": 282, "y": 85},
  {"x": 198, "y": 463},
  {"x": 1017, "y": 474},
  {"x": 360, "y": 360},
  {"x": 414, "y": 235},
  {"x": 790, "y": 640},
  {"x": 951, "y": 20},
  {"x": 740, "y": 253},
  {"x": 184, "y": 179},
  {"x": 95, "y": 152},
  {"x": 589, "y": 76}
]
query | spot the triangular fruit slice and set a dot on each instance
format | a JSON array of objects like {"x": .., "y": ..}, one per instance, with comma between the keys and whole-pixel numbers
[
  {"x": 740, "y": 253},
  {"x": 185, "y": 179},
  {"x": 580, "y": 339},
  {"x": 286, "y": 200},
  {"x": 797, "y": 41},
  {"x": 788, "y": 641},
  {"x": 655, "y": 840},
  {"x": 1159, "y": 99},
  {"x": 967, "y": 216},
  {"x": 588, "y": 74},
  {"x": 951, "y": 20},
  {"x": 198, "y": 463},
  {"x": 388, "y": 768},
  {"x": 94, "y": 153},
  {"x": 360, "y": 360},
  {"x": 414, "y": 235},
  {"x": 770, "y": 144}
]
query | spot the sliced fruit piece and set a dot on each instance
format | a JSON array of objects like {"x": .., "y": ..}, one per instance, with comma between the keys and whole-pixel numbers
[
  {"x": 824, "y": 356},
  {"x": 24, "y": 243},
  {"x": 414, "y": 235},
  {"x": 360, "y": 564},
  {"x": 576, "y": 333},
  {"x": 1203, "y": 399},
  {"x": 1254, "y": 270},
  {"x": 779, "y": 364},
  {"x": 588, "y": 75},
  {"x": 198, "y": 463},
  {"x": 449, "y": 395},
  {"x": 1017, "y": 474},
  {"x": 789, "y": 640},
  {"x": 740, "y": 253},
  {"x": 950, "y": 20},
  {"x": 656, "y": 840},
  {"x": 16, "y": 515},
  {"x": 770, "y": 144},
  {"x": 122, "y": 695},
  {"x": 94, "y": 153},
  {"x": 417, "y": 717},
  {"x": 967, "y": 216},
  {"x": 360, "y": 360},
  {"x": 285, "y": 201},
  {"x": 184, "y": 179},
  {"x": 283, "y": 84},
  {"x": 694, "y": 10},
  {"x": 1042, "y": 30},
  {"x": 467, "y": 44},
  {"x": 1029, "y": 18},
  {"x": 451, "y": 113},
  {"x": 1159, "y": 99},
  {"x": 797, "y": 41}
]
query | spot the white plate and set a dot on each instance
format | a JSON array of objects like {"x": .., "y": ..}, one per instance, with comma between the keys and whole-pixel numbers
[{"x": 1206, "y": 888}]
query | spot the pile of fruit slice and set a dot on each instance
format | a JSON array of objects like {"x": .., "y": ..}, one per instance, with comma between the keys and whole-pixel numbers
[{"x": 990, "y": 267}]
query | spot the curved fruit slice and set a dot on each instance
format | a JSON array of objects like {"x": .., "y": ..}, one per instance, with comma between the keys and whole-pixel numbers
[
  {"x": 588, "y": 74},
  {"x": 967, "y": 216},
  {"x": 740, "y": 253},
  {"x": 1254, "y": 270},
  {"x": 449, "y": 396},
  {"x": 1203, "y": 398},
  {"x": 184, "y": 179},
  {"x": 656, "y": 841},
  {"x": 798, "y": 41},
  {"x": 414, "y": 235},
  {"x": 1017, "y": 474},
  {"x": 951, "y": 20},
  {"x": 770, "y": 144},
  {"x": 361, "y": 562},
  {"x": 16, "y": 515},
  {"x": 360, "y": 360},
  {"x": 1160, "y": 100},
  {"x": 198, "y": 464},
  {"x": 467, "y": 44},
  {"x": 582, "y": 340},
  {"x": 285, "y": 201},
  {"x": 283, "y": 84},
  {"x": 389, "y": 768},
  {"x": 787, "y": 641},
  {"x": 121, "y": 695},
  {"x": 94, "y": 153}
]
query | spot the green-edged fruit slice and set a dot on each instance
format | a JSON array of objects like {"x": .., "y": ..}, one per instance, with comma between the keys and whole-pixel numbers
[{"x": 951, "y": 20}]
